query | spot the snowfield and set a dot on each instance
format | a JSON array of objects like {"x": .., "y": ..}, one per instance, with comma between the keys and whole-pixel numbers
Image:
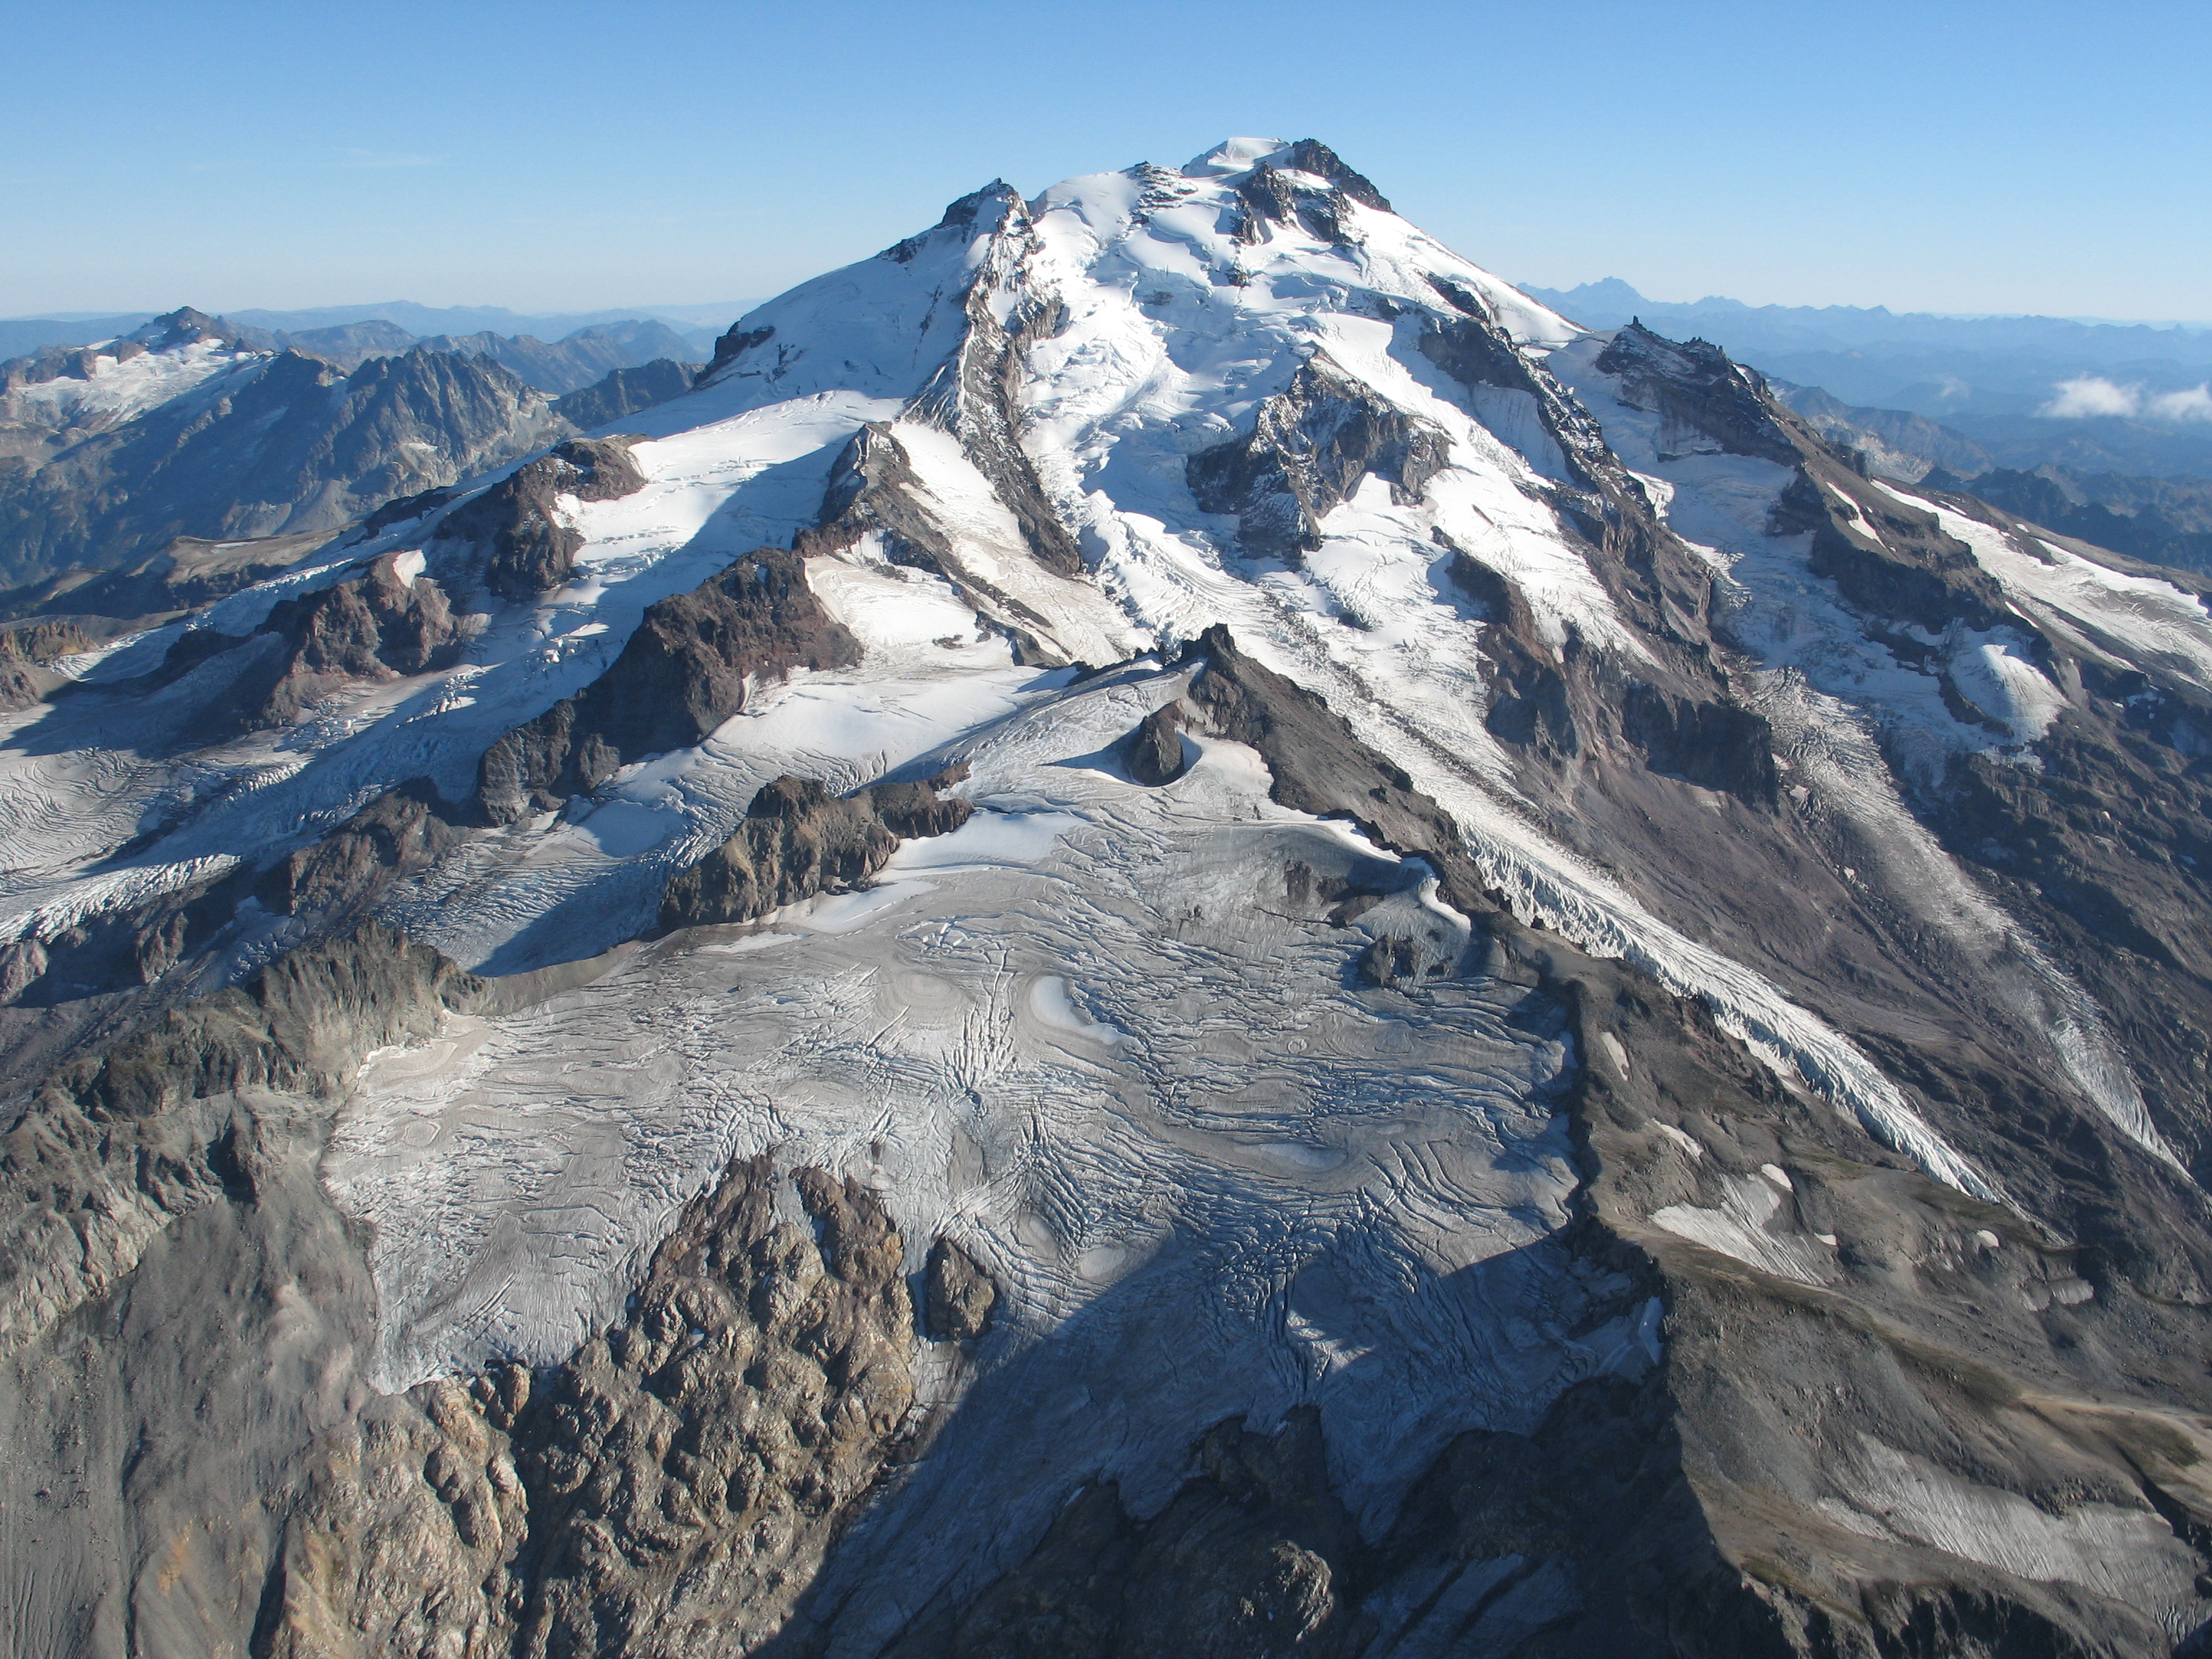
[{"x": 1102, "y": 1035}]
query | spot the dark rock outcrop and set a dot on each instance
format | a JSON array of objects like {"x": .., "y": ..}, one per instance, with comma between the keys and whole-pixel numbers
[
  {"x": 347, "y": 870},
  {"x": 2162, "y": 521},
  {"x": 1311, "y": 156},
  {"x": 718, "y": 1437},
  {"x": 189, "y": 572},
  {"x": 682, "y": 674},
  {"x": 379, "y": 626},
  {"x": 1268, "y": 197},
  {"x": 1706, "y": 404},
  {"x": 735, "y": 343},
  {"x": 667, "y": 1491},
  {"x": 1154, "y": 750},
  {"x": 624, "y": 392},
  {"x": 113, "y": 1146},
  {"x": 23, "y": 654},
  {"x": 973, "y": 396},
  {"x": 1891, "y": 561},
  {"x": 874, "y": 490},
  {"x": 1316, "y": 765},
  {"x": 517, "y": 526},
  {"x": 959, "y": 1293},
  {"x": 1720, "y": 745},
  {"x": 1310, "y": 445},
  {"x": 1249, "y": 1559},
  {"x": 796, "y": 841}
]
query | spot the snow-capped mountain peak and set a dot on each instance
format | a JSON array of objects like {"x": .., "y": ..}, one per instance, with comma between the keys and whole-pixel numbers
[{"x": 1302, "y": 841}]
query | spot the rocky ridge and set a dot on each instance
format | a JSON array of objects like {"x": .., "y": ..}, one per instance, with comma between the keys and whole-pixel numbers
[{"x": 1855, "y": 979}]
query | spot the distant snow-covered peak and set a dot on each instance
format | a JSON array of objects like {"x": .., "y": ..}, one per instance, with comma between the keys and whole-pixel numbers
[{"x": 1234, "y": 155}]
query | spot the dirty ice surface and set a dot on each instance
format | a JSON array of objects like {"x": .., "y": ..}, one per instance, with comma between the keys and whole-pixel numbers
[{"x": 1102, "y": 1035}]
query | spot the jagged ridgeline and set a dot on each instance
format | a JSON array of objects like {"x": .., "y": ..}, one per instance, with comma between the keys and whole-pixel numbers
[
  {"x": 1170, "y": 929},
  {"x": 153, "y": 472}
]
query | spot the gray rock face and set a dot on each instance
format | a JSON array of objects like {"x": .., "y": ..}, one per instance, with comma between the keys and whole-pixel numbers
[
  {"x": 797, "y": 839},
  {"x": 1155, "y": 749},
  {"x": 378, "y": 627},
  {"x": 625, "y": 392},
  {"x": 683, "y": 673},
  {"x": 960, "y": 1293},
  {"x": 1309, "y": 447},
  {"x": 188, "y": 573},
  {"x": 666, "y": 1492},
  {"x": 1249, "y": 1559},
  {"x": 115, "y": 1146},
  {"x": 344, "y": 871},
  {"x": 1607, "y": 1063},
  {"x": 525, "y": 547}
]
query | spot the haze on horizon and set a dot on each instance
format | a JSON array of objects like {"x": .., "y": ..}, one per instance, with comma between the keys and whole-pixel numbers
[{"x": 559, "y": 157}]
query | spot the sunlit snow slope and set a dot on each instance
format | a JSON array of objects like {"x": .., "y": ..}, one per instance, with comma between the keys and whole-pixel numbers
[{"x": 1126, "y": 1040}]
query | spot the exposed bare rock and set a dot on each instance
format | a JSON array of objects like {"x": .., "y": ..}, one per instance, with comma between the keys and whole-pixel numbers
[
  {"x": 734, "y": 343},
  {"x": 973, "y": 396},
  {"x": 1311, "y": 156},
  {"x": 871, "y": 490},
  {"x": 1706, "y": 404},
  {"x": 960, "y": 1293},
  {"x": 667, "y": 1491},
  {"x": 188, "y": 572},
  {"x": 1268, "y": 197},
  {"x": 625, "y": 392},
  {"x": 400, "y": 1544},
  {"x": 299, "y": 1024},
  {"x": 112, "y": 1147},
  {"x": 874, "y": 490},
  {"x": 527, "y": 548},
  {"x": 25, "y": 653},
  {"x": 1250, "y": 1560},
  {"x": 1721, "y": 745},
  {"x": 171, "y": 938},
  {"x": 1476, "y": 351},
  {"x": 1717, "y": 1170},
  {"x": 692, "y": 1466},
  {"x": 798, "y": 840},
  {"x": 1316, "y": 764},
  {"x": 42, "y": 641},
  {"x": 1404, "y": 960},
  {"x": 682, "y": 674},
  {"x": 345, "y": 870},
  {"x": 1309, "y": 447},
  {"x": 1155, "y": 749},
  {"x": 126, "y": 947},
  {"x": 379, "y": 626}
]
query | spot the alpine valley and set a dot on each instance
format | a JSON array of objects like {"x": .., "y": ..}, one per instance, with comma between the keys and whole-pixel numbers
[{"x": 1170, "y": 930}]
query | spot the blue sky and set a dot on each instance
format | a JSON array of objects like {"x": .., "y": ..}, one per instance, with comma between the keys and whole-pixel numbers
[{"x": 1954, "y": 157}]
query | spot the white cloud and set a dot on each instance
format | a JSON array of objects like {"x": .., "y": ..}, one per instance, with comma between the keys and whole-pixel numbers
[
  {"x": 2093, "y": 394},
  {"x": 2194, "y": 404},
  {"x": 379, "y": 158}
]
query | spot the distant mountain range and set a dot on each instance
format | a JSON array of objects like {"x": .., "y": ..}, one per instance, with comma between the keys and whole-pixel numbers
[
  {"x": 698, "y": 325},
  {"x": 191, "y": 429},
  {"x": 1170, "y": 929},
  {"x": 2123, "y": 398}
]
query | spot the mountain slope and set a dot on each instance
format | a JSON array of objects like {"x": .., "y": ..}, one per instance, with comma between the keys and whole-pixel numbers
[
  {"x": 1171, "y": 928},
  {"x": 192, "y": 432}
]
